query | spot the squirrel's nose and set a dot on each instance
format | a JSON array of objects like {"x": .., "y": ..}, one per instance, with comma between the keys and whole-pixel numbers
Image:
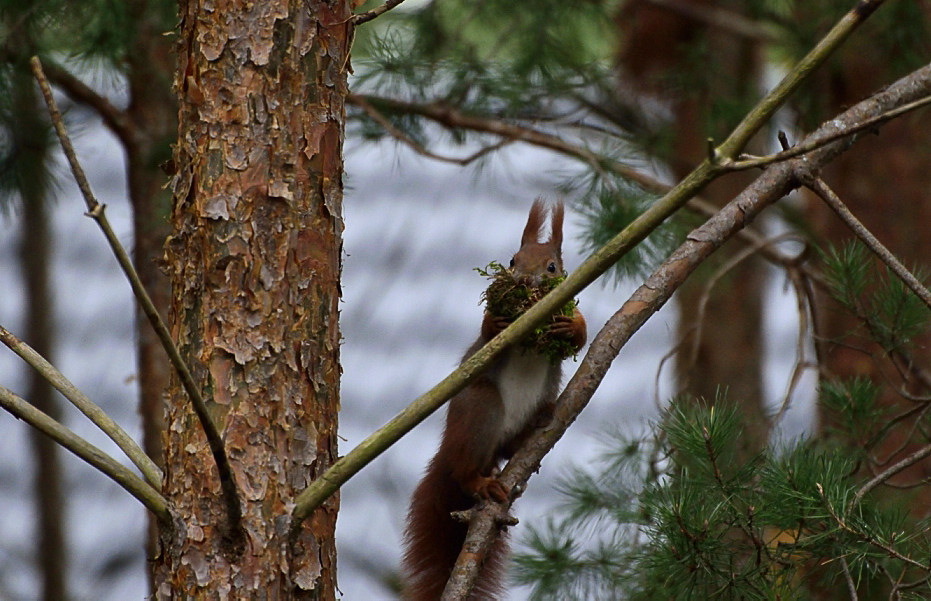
[{"x": 527, "y": 279}]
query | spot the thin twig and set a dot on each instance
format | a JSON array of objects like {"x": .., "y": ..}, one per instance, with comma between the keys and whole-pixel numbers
[
  {"x": 728, "y": 20},
  {"x": 808, "y": 146},
  {"x": 379, "y": 118},
  {"x": 375, "y": 12},
  {"x": 865, "y": 536},
  {"x": 805, "y": 311},
  {"x": 889, "y": 472},
  {"x": 819, "y": 187},
  {"x": 96, "y": 211},
  {"x": 97, "y": 415},
  {"x": 848, "y": 578},
  {"x": 108, "y": 466},
  {"x": 454, "y": 118}
]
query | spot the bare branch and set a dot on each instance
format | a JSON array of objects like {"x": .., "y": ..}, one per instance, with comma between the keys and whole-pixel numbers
[
  {"x": 453, "y": 118},
  {"x": 97, "y": 415},
  {"x": 819, "y": 187},
  {"x": 889, "y": 472},
  {"x": 132, "y": 483},
  {"x": 399, "y": 135},
  {"x": 95, "y": 210},
  {"x": 721, "y": 18},
  {"x": 375, "y": 12},
  {"x": 800, "y": 149},
  {"x": 473, "y": 548},
  {"x": 848, "y": 578}
]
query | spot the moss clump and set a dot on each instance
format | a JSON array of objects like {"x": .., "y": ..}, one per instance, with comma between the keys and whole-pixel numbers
[{"x": 507, "y": 298}]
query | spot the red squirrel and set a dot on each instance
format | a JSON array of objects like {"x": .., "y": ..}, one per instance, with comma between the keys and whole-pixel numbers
[{"x": 485, "y": 423}]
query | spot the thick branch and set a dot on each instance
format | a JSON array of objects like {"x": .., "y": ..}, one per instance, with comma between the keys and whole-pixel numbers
[
  {"x": 772, "y": 185},
  {"x": 97, "y": 415},
  {"x": 592, "y": 268},
  {"x": 132, "y": 483},
  {"x": 96, "y": 211}
]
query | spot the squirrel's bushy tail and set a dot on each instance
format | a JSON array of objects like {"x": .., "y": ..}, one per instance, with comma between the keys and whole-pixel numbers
[{"x": 433, "y": 541}]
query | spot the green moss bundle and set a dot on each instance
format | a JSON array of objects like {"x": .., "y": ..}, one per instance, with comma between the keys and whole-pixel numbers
[{"x": 505, "y": 297}]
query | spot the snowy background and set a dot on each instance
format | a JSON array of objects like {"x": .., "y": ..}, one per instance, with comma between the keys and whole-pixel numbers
[{"x": 415, "y": 229}]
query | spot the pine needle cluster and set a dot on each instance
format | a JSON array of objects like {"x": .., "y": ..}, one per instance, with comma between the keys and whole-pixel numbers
[{"x": 680, "y": 516}]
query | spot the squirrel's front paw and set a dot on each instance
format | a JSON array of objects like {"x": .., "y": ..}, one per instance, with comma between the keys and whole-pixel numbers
[
  {"x": 571, "y": 328},
  {"x": 565, "y": 326},
  {"x": 492, "y": 325}
]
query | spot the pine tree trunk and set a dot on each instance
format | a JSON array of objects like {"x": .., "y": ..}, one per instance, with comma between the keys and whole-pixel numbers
[{"x": 254, "y": 261}]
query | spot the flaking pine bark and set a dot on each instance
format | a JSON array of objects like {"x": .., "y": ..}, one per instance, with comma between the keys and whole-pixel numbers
[{"x": 254, "y": 260}]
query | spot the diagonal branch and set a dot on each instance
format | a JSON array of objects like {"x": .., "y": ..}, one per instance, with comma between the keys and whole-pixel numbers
[
  {"x": 825, "y": 193},
  {"x": 97, "y": 415},
  {"x": 111, "y": 468},
  {"x": 769, "y": 187},
  {"x": 889, "y": 472},
  {"x": 454, "y": 118},
  {"x": 721, "y": 18},
  {"x": 96, "y": 211}
]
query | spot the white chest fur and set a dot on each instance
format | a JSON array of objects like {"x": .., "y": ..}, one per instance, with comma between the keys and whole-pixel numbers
[{"x": 522, "y": 382}]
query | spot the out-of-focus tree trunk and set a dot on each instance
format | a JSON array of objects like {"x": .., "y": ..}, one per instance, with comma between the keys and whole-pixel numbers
[
  {"x": 675, "y": 58},
  {"x": 254, "y": 261},
  {"x": 29, "y": 133},
  {"x": 153, "y": 113}
]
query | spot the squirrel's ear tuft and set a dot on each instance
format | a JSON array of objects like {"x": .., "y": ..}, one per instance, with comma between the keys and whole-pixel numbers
[
  {"x": 534, "y": 223},
  {"x": 556, "y": 233}
]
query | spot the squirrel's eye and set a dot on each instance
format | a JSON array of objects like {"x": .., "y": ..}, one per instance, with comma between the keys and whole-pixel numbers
[
  {"x": 551, "y": 267},
  {"x": 512, "y": 263}
]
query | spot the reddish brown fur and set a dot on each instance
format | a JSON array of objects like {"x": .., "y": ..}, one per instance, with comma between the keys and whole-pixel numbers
[{"x": 474, "y": 441}]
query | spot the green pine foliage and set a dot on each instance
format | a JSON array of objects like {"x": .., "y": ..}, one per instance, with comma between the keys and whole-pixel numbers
[
  {"x": 679, "y": 516},
  {"x": 892, "y": 315},
  {"x": 609, "y": 204}
]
